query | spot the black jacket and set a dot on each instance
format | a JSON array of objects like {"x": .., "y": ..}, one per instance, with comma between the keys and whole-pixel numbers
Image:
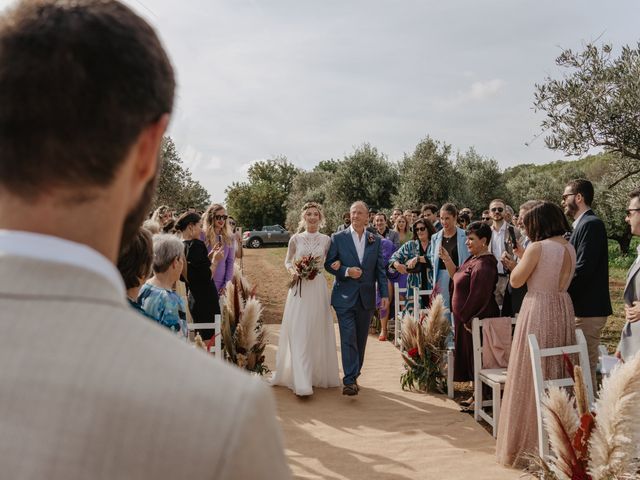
[{"x": 589, "y": 288}]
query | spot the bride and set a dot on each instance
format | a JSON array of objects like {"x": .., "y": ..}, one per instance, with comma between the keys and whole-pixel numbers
[{"x": 307, "y": 349}]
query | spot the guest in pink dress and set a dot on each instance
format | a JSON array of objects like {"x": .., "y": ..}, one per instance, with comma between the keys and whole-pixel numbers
[{"x": 547, "y": 267}]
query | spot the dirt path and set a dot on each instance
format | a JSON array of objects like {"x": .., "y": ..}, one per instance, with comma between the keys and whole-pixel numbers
[{"x": 384, "y": 432}]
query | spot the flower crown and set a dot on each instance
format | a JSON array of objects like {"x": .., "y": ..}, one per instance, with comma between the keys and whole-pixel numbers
[{"x": 309, "y": 205}]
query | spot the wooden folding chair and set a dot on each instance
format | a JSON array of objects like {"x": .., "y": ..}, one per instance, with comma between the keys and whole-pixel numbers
[
  {"x": 540, "y": 384},
  {"x": 495, "y": 378}
]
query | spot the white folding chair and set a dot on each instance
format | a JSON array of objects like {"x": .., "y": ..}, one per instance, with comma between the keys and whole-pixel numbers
[
  {"x": 417, "y": 293},
  {"x": 399, "y": 308},
  {"x": 540, "y": 384},
  {"x": 216, "y": 326},
  {"x": 495, "y": 378}
]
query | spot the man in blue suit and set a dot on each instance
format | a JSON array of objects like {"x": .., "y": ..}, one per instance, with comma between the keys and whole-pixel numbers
[{"x": 354, "y": 291}]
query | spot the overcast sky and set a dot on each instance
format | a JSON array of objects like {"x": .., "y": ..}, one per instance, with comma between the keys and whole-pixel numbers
[{"x": 312, "y": 79}]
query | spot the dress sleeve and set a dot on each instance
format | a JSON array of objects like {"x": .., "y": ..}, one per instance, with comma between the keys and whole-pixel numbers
[
  {"x": 229, "y": 262},
  {"x": 401, "y": 255},
  {"x": 482, "y": 285},
  {"x": 291, "y": 252}
]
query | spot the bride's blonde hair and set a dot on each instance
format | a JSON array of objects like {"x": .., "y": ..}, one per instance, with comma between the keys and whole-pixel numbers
[{"x": 302, "y": 225}]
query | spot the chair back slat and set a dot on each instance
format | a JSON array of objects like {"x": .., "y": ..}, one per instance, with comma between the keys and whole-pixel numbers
[
  {"x": 540, "y": 385},
  {"x": 216, "y": 326}
]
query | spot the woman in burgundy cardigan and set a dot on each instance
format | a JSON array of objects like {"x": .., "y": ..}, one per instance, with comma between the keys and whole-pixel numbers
[{"x": 474, "y": 283}]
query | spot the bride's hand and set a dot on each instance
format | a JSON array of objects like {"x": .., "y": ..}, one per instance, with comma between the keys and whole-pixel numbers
[{"x": 336, "y": 265}]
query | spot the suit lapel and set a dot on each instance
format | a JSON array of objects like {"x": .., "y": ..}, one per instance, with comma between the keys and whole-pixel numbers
[
  {"x": 367, "y": 246},
  {"x": 352, "y": 246},
  {"x": 632, "y": 273}
]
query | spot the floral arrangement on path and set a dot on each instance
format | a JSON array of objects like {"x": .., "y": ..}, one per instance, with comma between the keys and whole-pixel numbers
[
  {"x": 424, "y": 346},
  {"x": 243, "y": 336},
  {"x": 599, "y": 445},
  {"x": 306, "y": 269}
]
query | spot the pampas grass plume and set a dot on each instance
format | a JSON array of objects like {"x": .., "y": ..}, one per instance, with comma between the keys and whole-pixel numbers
[
  {"x": 614, "y": 441},
  {"x": 582, "y": 399},
  {"x": 561, "y": 422}
]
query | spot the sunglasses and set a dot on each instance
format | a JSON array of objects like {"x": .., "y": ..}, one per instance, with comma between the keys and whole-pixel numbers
[
  {"x": 497, "y": 209},
  {"x": 630, "y": 210},
  {"x": 486, "y": 219},
  {"x": 420, "y": 229},
  {"x": 220, "y": 217}
]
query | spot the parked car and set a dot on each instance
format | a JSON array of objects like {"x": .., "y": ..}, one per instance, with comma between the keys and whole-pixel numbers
[{"x": 269, "y": 235}]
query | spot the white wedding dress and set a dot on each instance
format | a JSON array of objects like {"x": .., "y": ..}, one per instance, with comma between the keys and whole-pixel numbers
[{"x": 307, "y": 355}]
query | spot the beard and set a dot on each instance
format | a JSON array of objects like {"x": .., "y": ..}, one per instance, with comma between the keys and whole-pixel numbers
[
  {"x": 138, "y": 213},
  {"x": 570, "y": 209}
]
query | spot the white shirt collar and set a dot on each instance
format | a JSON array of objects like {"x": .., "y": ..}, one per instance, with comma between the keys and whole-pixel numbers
[
  {"x": 577, "y": 220},
  {"x": 55, "y": 249}
]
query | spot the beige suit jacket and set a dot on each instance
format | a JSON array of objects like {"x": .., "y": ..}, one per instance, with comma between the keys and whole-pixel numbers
[{"x": 91, "y": 390}]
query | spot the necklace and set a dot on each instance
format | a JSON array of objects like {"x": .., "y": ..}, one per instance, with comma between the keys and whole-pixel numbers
[{"x": 446, "y": 240}]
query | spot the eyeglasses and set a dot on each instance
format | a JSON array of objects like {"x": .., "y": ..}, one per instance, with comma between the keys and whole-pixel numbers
[
  {"x": 497, "y": 209},
  {"x": 567, "y": 195},
  {"x": 420, "y": 229},
  {"x": 220, "y": 217},
  {"x": 233, "y": 224},
  {"x": 630, "y": 210}
]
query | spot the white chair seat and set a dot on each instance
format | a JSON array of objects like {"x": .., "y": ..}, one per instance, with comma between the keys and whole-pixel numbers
[{"x": 495, "y": 375}]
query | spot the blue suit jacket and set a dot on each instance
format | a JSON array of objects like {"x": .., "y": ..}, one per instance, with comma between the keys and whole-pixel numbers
[{"x": 347, "y": 291}]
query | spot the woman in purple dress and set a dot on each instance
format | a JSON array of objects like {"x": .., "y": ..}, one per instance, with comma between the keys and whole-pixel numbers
[
  {"x": 217, "y": 233},
  {"x": 473, "y": 285}
]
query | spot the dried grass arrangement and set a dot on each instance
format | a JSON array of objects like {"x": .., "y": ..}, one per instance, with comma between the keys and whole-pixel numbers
[
  {"x": 598, "y": 445},
  {"x": 243, "y": 335},
  {"x": 424, "y": 345}
]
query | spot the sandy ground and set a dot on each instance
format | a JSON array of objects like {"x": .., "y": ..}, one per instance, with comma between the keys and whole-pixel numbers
[{"x": 383, "y": 433}]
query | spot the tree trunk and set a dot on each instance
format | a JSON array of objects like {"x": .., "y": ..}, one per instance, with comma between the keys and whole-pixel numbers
[{"x": 624, "y": 241}]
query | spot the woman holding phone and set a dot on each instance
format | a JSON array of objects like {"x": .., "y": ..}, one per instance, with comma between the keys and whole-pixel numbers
[{"x": 218, "y": 234}]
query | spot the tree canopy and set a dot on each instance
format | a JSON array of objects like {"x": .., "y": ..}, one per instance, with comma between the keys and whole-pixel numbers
[
  {"x": 595, "y": 104},
  {"x": 176, "y": 187}
]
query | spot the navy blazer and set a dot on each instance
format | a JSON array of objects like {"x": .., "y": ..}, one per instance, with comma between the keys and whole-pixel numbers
[
  {"x": 347, "y": 291},
  {"x": 589, "y": 288}
]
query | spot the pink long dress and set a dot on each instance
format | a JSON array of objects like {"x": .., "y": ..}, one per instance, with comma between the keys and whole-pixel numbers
[{"x": 547, "y": 312}]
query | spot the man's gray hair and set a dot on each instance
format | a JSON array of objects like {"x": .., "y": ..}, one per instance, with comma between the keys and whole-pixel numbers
[
  {"x": 509, "y": 209},
  {"x": 360, "y": 202},
  {"x": 166, "y": 248}
]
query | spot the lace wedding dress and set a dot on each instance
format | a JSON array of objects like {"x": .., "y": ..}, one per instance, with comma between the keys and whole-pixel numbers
[{"x": 307, "y": 355}]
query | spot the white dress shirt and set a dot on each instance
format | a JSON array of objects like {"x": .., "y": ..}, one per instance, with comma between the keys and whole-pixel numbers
[
  {"x": 497, "y": 244},
  {"x": 577, "y": 220},
  {"x": 359, "y": 242},
  {"x": 55, "y": 249}
]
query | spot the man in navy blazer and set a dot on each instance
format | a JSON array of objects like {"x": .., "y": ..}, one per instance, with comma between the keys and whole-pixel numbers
[
  {"x": 354, "y": 291},
  {"x": 589, "y": 288}
]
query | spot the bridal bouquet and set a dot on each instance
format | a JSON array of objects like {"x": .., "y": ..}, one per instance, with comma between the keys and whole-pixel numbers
[
  {"x": 598, "y": 445},
  {"x": 306, "y": 269},
  {"x": 424, "y": 345}
]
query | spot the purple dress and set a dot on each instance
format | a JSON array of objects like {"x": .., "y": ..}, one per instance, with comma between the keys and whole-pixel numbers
[{"x": 224, "y": 270}]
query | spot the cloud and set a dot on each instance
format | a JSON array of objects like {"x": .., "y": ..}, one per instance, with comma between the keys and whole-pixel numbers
[
  {"x": 482, "y": 90},
  {"x": 478, "y": 91}
]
